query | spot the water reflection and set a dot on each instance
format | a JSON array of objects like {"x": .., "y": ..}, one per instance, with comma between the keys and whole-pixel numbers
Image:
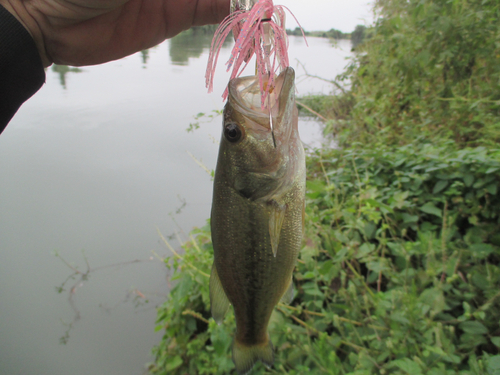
[
  {"x": 192, "y": 43},
  {"x": 145, "y": 57},
  {"x": 62, "y": 70}
]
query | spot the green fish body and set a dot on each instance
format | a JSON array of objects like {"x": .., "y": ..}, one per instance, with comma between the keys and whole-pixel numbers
[{"x": 257, "y": 213}]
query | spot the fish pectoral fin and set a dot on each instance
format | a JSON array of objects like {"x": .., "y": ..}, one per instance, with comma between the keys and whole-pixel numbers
[
  {"x": 219, "y": 303},
  {"x": 276, "y": 218},
  {"x": 288, "y": 296}
]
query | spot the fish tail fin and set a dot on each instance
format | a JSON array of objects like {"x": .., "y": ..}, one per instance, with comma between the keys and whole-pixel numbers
[{"x": 245, "y": 357}]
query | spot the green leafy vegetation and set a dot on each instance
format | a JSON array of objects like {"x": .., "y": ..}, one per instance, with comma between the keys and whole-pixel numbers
[
  {"x": 358, "y": 35},
  {"x": 429, "y": 68},
  {"x": 400, "y": 267},
  {"x": 399, "y": 273}
]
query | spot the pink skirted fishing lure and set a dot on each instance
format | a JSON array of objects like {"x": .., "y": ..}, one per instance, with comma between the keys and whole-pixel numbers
[{"x": 259, "y": 31}]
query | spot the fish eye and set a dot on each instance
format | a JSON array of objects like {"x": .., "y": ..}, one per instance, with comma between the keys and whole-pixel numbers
[{"x": 232, "y": 132}]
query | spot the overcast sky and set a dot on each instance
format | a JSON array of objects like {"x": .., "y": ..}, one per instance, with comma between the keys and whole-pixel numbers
[{"x": 324, "y": 15}]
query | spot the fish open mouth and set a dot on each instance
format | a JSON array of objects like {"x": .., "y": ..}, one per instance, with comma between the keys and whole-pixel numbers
[{"x": 245, "y": 96}]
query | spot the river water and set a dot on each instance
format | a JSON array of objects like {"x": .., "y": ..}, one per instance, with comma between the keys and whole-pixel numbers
[{"x": 91, "y": 168}]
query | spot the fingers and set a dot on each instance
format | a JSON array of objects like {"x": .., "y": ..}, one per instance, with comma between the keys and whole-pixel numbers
[
  {"x": 86, "y": 32},
  {"x": 181, "y": 15},
  {"x": 210, "y": 12}
]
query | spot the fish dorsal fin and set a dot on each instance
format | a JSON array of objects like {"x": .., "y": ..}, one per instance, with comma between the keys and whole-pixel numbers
[
  {"x": 276, "y": 217},
  {"x": 219, "y": 303},
  {"x": 288, "y": 296}
]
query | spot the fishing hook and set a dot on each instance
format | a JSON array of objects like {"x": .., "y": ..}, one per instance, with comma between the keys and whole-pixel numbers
[
  {"x": 271, "y": 119},
  {"x": 272, "y": 130}
]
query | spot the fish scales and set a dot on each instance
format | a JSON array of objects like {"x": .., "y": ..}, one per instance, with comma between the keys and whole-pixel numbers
[{"x": 259, "y": 194}]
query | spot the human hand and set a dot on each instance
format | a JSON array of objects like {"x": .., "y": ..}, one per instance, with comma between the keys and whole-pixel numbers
[{"x": 87, "y": 32}]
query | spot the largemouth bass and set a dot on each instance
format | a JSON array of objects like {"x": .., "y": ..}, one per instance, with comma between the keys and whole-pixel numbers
[{"x": 257, "y": 212}]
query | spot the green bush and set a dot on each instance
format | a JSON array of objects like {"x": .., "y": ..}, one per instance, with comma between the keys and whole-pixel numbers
[
  {"x": 400, "y": 268},
  {"x": 399, "y": 273},
  {"x": 430, "y": 67},
  {"x": 358, "y": 35}
]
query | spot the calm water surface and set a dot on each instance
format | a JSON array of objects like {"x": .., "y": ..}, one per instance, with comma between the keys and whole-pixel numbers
[{"x": 91, "y": 167}]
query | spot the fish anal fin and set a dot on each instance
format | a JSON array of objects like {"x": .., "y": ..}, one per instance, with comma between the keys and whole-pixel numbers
[
  {"x": 245, "y": 357},
  {"x": 276, "y": 218},
  {"x": 219, "y": 303},
  {"x": 288, "y": 296}
]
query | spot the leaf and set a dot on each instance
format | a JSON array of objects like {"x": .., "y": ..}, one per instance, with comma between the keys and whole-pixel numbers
[
  {"x": 315, "y": 189},
  {"x": 408, "y": 366},
  {"x": 473, "y": 327},
  {"x": 314, "y": 292},
  {"x": 480, "y": 183},
  {"x": 365, "y": 249},
  {"x": 468, "y": 180},
  {"x": 399, "y": 199},
  {"x": 480, "y": 280},
  {"x": 496, "y": 341},
  {"x": 159, "y": 328},
  {"x": 325, "y": 268},
  {"x": 494, "y": 365},
  {"x": 339, "y": 257},
  {"x": 492, "y": 189},
  {"x": 385, "y": 208},
  {"x": 491, "y": 170},
  {"x": 434, "y": 298},
  {"x": 439, "y": 186},
  {"x": 481, "y": 250},
  {"x": 429, "y": 208},
  {"x": 370, "y": 229},
  {"x": 379, "y": 265},
  {"x": 309, "y": 275},
  {"x": 407, "y": 218},
  {"x": 398, "y": 317},
  {"x": 437, "y": 167},
  {"x": 173, "y": 363}
]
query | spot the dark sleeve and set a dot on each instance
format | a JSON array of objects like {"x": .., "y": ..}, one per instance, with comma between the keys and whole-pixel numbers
[{"x": 21, "y": 68}]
